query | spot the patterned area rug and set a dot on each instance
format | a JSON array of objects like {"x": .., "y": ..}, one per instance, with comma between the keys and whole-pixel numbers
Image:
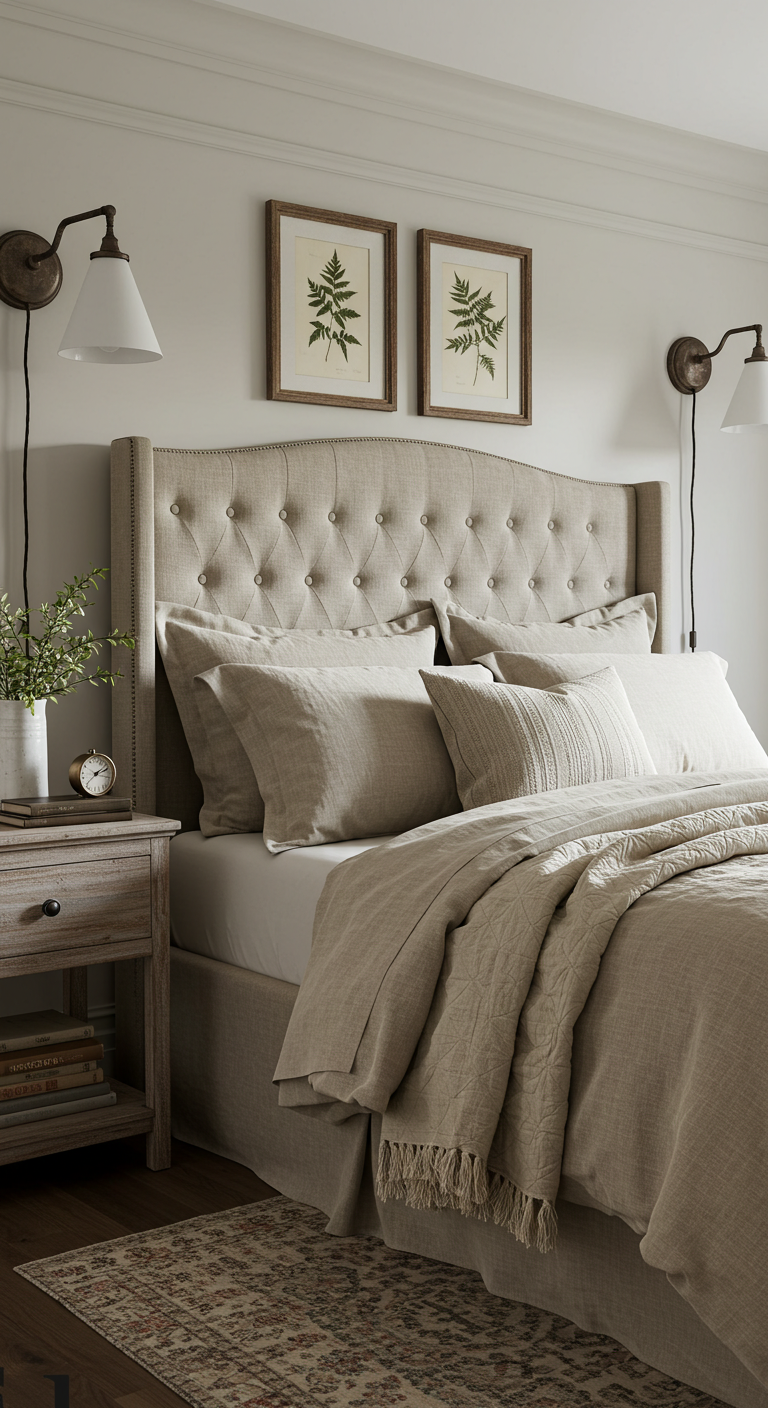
[{"x": 258, "y": 1307}]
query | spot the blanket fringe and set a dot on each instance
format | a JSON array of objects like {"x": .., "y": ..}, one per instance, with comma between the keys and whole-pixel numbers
[{"x": 426, "y": 1176}]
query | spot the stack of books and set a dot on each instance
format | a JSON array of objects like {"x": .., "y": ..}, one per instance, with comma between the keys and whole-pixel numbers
[
  {"x": 62, "y": 811},
  {"x": 49, "y": 1067}
]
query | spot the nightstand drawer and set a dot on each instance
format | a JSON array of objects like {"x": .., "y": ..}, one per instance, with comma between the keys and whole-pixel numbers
[{"x": 106, "y": 900}]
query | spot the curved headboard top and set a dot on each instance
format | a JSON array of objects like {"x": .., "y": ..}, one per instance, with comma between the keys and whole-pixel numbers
[{"x": 347, "y": 532}]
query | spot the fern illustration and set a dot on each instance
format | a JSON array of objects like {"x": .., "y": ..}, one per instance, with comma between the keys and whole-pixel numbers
[
  {"x": 330, "y": 297},
  {"x": 471, "y": 311}
]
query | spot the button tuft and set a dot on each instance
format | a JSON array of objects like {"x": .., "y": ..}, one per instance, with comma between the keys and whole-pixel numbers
[
  {"x": 551, "y": 524},
  {"x": 283, "y": 514},
  {"x": 589, "y": 527},
  {"x": 308, "y": 581},
  {"x": 531, "y": 584},
  {"x": 175, "y": 508},
  {"x": 230, "y": 513},
  {"x": 355, "y": 581},
  {"x": 469, "y": 522},
  {"x": 424, "y": 519},
  {"x": 491, "y": 581},
  {"x": 257, "y": 579},
  {"x": 510, "y": 522},
  {"x": 202, "y": 579},
  {"x": 379, "y": 517},
  {"x": 607, "y": 585},
  {"x": 403, "y": 581},
  {"x": 570, "y": 586},
  {"x": 331, "y": 517},
  {"x": 447, "y": 581}
]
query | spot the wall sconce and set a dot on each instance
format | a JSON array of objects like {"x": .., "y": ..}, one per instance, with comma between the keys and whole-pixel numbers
[
  {"x": 109, "y": 322},
  {"x": 689, "y": 366}
]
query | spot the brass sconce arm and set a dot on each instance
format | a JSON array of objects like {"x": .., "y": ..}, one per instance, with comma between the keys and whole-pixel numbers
[
  {"x": 689, "y": 364},
  {"x": 30, "y": 269}
]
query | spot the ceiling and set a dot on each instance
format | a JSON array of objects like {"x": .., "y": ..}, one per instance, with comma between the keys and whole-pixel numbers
[{"x": 695, "y": 64}]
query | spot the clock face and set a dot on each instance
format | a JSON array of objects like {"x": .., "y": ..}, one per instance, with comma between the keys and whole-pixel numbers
[{"x": 97, "y": 775}]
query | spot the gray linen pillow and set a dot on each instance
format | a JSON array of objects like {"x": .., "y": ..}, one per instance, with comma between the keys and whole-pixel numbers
[
  {"x": 338, "y": 753},
  {"x": 626, "y": 626},
  {"x": 683, "y": 705},
  {"x": 192, "y": 641},
  {"x": 511, "y": 742}
]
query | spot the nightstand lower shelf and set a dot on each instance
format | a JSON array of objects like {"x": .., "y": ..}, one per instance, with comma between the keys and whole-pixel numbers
[{"x": 131, "y": 1115}]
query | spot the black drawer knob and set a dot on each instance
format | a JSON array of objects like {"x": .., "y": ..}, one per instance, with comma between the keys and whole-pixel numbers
[{"x": 51, "y": 908}]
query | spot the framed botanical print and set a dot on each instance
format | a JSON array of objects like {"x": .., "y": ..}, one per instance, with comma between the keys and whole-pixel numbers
[
  {"x": 474, "y": 329},
  {"x": 331, "y": 308}
]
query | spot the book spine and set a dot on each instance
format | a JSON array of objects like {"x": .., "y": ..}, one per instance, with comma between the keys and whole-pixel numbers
[
  {"x": 7, "y": 819},
  {"x": 73, "y": 808},
  {"x": 27, "y": 1078},
  {"x": 51, "y": 1060},
  {"x": 47, "y": 1097},
  {"x": 47, "y": 1112},
  {"x": 47, "y": 1084},
  {"x": 50, "y": 1038}
]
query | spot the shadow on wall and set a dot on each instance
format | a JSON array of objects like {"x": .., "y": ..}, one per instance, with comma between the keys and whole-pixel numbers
[
  {"x": 646, "y": 420},
  {"x": 69, "y": 532}
]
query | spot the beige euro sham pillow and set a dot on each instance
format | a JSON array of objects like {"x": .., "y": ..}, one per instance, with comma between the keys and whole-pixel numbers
[
  {"x": 686, "y": 711},
  {"x": 626, "y": 626},
  {"x": 507, "y": 741},
  {"x": 193, "y": 641},
  {"x": 338, "y": 753}
]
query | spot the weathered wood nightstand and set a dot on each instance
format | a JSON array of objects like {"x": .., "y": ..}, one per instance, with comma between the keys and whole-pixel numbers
[{"x": 110, "y": 880}]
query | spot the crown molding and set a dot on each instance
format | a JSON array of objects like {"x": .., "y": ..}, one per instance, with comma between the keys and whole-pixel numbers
[
  {"x": 156, "y": 124},
  {"x": 480, "y": 108}
]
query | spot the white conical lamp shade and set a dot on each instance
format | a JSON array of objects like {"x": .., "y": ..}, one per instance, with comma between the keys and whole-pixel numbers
[
  {"x": 109, "y": 322},
  {"x": 749, "y": 405}
]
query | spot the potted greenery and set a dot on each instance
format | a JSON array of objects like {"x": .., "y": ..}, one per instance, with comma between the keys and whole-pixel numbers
[{"x": 36, "y": 668}]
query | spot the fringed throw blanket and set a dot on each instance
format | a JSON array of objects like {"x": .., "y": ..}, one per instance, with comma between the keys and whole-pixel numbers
[{"x": 449, "y": 968}]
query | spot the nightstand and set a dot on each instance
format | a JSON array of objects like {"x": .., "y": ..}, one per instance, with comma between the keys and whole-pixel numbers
[{"x": 111, "y": 882}]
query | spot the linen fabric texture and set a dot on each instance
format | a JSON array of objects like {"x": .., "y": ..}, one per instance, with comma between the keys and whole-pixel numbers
[
  {"x": 491, "y": 929},
  {"x": 625, "y": 626},
  {"x": 507, "y": 741},
  {"x": 683, "y": 704},
  {"x": 193, "y": 641},
  {"x": 338, "y": 753}
]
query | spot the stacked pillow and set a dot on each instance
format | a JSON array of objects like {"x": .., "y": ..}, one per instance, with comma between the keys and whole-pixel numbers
[{"x": 317, "y": 736}]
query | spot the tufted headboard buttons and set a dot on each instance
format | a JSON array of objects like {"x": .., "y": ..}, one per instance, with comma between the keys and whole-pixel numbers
[{"x": 343, "y": 533}]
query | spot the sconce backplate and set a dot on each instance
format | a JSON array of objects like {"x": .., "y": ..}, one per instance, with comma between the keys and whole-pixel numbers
[
  {"x": 21, "y": 286},
  {"x": 689, "y": 365}
]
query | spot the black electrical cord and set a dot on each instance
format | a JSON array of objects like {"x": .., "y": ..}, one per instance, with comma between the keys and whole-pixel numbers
[
  {"x": 692, "y": 632},
  {"x": 26, "y": 454}
]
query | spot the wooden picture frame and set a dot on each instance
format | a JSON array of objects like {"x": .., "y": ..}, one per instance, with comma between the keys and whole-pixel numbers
[
  {"x": 474, "y": 359},
  {"x": 331, "y": 308}
]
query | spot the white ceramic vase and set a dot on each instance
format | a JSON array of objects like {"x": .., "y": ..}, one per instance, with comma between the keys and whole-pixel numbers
[{"x": 23, "y": 750}]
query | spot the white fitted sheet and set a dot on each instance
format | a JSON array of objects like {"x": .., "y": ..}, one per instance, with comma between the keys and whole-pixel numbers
[{"x": 232, "y": 900}]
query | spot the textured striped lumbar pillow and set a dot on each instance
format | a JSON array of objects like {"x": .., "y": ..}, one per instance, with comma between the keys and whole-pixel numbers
[{"x": 509, "y": 741}]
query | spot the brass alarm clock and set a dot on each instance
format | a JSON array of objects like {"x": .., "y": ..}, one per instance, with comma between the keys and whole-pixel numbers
[{"x": 93, "y": 774}]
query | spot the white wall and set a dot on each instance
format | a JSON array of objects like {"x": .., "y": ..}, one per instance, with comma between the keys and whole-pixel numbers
[{"x": 188, "y": 117}]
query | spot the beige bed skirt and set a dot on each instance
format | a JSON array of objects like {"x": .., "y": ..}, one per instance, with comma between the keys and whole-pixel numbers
[{"x": 224, "y": 1101}]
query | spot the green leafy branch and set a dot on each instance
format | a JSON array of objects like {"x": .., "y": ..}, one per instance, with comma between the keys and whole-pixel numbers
[
  {"x": 54, "y": 662},
  {"x": 471, "y": 311},
  {"x": 329, "y": 297}
]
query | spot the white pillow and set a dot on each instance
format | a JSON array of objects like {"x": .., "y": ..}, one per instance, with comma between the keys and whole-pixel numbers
[
  {"x": 683, "y": 705},
  {"x": 624, "y": 626}
]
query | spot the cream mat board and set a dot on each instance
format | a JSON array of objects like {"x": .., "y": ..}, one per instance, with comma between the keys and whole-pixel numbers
[{"x": 259, "y": 1306}]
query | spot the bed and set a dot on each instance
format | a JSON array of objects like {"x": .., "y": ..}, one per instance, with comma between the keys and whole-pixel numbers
[{"x": 342, "y": 534}]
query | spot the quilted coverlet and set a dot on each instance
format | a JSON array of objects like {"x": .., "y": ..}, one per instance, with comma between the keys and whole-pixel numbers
[{"x": 449, "y": 969}]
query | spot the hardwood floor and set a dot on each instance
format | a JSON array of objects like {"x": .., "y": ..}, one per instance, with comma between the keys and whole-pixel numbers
[{"x": 70, "y": 1200}]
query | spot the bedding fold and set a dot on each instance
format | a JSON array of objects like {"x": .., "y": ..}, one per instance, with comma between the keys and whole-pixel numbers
[{"x": 475, "y": 943}]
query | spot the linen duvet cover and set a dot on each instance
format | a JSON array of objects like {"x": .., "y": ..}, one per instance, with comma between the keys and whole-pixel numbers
[{"x": 564, "y": 994}]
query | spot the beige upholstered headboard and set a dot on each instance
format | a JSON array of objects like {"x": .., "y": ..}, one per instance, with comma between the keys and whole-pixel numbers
[{"x": 345, "y": 533}]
